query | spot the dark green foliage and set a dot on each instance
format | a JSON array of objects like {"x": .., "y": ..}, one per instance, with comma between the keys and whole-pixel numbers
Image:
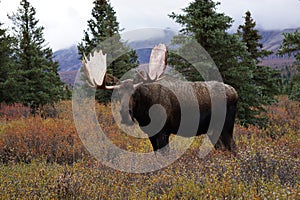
[
  {"x": 33, "y": 79},
  {"x": 103, "y": 33},
  {"x": 6, "y": 52},
  {"x": 265, "y": 79},
  {"x": 210, "y": 28},
  {"x": 202, "y": 22},
  {"x": 291, "y": 46},
  {"x": 102, "y": 26},
  {"x": 252, "y": 38}
]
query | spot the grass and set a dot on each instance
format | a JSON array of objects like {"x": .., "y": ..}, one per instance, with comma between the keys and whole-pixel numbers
[{"x": 45, "y": 159}]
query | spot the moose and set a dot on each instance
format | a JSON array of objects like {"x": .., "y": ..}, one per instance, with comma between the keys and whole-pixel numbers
[{"x": 136, "y": 100}]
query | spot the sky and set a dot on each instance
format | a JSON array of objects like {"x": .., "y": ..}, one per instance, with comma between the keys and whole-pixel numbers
[{"x": 65, "y": 20}]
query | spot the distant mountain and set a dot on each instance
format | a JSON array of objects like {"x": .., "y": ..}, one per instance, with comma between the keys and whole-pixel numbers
[
  {"x": 144, "y": 47},
  {"x": 272, "y": 41},
  {"x": 69, "y": 61}
]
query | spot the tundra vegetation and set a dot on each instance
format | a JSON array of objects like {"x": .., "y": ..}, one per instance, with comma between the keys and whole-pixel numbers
[{"x": 42, "y": 157}]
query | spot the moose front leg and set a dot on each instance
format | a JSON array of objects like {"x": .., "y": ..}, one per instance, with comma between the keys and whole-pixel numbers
[{"x": 160, "y": 142}]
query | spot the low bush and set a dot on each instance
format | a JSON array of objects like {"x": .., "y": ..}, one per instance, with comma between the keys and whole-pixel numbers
[
  {"x": 33, "y": 138},
  {"x": 45, "y": 159},
  {"x": 14, "y": 111}
]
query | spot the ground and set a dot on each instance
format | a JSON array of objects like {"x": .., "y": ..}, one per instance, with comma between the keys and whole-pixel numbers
[{"x": 44, "y": 159}]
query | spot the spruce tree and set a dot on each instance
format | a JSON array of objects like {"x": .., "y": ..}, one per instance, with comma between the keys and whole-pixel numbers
[
  {"x": 103, "y": 33},
  {"x": 210, "y": 28},
  {"x": 34, "y": 81},
  {"x": 252, "y": 38},
  {"x": 291, "y": 46},
  {"x": 6, "y": 52},
  {"x": 264, "y": 78}
]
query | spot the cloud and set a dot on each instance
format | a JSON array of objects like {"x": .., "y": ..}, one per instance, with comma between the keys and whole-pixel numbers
[
  {"x": 134, "y": 14},
  {"x": 268, "y": 14},
  {"x": 65, "y": 20}
]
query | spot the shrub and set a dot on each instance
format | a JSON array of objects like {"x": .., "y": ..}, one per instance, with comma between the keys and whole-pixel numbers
[
  {"x": 33, "y": 138},
  {"x": 14, "y": 111},
  {"x": 265, "y": 167}
]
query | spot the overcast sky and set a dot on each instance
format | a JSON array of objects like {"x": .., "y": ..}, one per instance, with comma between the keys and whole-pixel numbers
[{"x": 65, "y": 20}]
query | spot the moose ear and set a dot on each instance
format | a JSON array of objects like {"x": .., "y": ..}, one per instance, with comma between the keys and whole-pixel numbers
[{"x": 158, "y": 61}]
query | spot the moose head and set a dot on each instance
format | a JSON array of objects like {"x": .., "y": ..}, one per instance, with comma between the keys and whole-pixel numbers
[{"x": 95, "y": 69}]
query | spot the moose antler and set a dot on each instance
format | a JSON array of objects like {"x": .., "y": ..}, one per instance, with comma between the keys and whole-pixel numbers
[
  {"x": 157, "y": 64},
  {"x": 158, "y": 61},
  {"x": 95, "y": 70}
]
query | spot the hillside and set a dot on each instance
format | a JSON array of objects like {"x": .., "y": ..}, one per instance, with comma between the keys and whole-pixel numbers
[
  {"x": 272, "y": 41},
  {"x": 69, "y": 61}
]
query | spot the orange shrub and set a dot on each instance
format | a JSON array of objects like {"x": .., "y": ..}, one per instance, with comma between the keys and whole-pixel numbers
[
  {"x": 12, "y": 112},
  {"x": 53, "y": 139},
  {"x": 283, "y": 118},
  {"x": 56, "y": 139}
]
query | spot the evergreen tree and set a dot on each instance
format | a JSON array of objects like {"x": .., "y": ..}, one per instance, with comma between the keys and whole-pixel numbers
[
  {"x": 264, "y": 78},
  {"x": 291, "y": 46},
  {"x": 103, "y": 33},
  {"x": 6, "y": 51},
  {"x": 252, "y": 38},
  {"x": 210, "y": 28},
  {"x": 34, "y": 80},
  {"x": 102, "y": 26}
]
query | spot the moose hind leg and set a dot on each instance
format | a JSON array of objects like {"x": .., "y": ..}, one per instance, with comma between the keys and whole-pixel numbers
[
  {"x": 226, "y": 137},
  {"x": 226, "y": 142}
]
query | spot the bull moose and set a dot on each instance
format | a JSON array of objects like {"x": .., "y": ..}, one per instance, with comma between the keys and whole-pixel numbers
[{"x": 137, "y": 99}]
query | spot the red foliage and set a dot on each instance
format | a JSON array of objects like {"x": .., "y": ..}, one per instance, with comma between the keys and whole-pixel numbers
[
  {"x": 24, "y": 137},
  {"x": 14, "y": 111},
  {"x": 55, "y": 140}
]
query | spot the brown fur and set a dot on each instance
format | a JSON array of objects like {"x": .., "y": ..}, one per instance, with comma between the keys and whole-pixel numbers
[{"x": 150, "y": 94}]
